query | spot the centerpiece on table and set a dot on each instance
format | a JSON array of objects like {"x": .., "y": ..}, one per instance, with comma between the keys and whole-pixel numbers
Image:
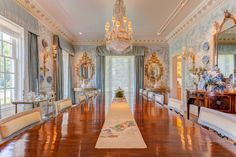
[{"x": 119, "y": 94}]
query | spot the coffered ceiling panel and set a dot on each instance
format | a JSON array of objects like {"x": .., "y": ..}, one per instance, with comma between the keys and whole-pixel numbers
[{"x": 89, "y": 16}]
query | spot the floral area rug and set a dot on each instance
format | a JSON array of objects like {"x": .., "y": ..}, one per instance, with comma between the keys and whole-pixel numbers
[{"x": 120, "y": 130}]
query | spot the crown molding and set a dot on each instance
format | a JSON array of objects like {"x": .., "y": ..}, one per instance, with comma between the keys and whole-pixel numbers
[
  {"x": 38, "y": 12},
  {"x": 192, "y": 18},
  {"x": 176, "y": 11},
  {"x": 135, "y": 42}
]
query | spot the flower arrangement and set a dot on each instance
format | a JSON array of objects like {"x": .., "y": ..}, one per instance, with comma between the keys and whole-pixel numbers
[
  {"x": 215, "y": 80},
  {"x": 119, "y": 93}
]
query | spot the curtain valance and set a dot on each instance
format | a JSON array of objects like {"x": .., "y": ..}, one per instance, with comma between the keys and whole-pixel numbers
[
  {"x": 12, "y": 11},
  {"x": 136, "y": 51},
  {"x": 59, "y": 42}
]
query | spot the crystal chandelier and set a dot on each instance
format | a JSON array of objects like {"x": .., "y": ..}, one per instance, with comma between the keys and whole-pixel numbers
[{"x": 119, "y": 35}]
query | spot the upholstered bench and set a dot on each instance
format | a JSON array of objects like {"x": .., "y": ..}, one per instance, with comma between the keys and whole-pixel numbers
[
  {"x": 140, "y": 91},
  {"x": 61, "y": 105},
  {"x": 159, "y": 99},
  {"x": 145, "y": 93},
  {"x": 223, "y": 123},
  {"x": 176, "y": 105},
  {"x": 80, "y": 99},
  {"x": 18, "y": 122},
  {"x": 90, "y": 95}
]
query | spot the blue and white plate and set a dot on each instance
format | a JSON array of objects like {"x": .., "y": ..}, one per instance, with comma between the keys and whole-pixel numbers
[
  {"x": 205, "y": 60},
  {"x": 41, "y": 78},
  {"x": 206, "y": 46},
  {"x": 49, "y": 79}
]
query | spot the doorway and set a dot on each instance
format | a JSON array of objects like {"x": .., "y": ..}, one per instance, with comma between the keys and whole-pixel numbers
[{"x": 177, "y": 77}]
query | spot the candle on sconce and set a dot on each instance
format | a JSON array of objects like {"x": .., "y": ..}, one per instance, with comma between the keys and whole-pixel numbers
[
  {"x": 184, "y": 53},
  {"x": 191, "y": 50}
]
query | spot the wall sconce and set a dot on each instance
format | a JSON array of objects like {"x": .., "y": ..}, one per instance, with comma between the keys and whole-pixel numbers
[
  {"x": 46, "y": 57},
  {"x": 54, "y": 52},
  {"x": 189, "y": 55}
]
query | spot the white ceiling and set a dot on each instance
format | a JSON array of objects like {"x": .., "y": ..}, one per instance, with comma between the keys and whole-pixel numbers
[{"x": 89, "y": 16}]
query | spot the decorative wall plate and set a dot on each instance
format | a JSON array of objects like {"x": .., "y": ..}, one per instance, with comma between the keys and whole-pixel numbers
[
  {"x": 41, "y": 78},
  {"x": 205, "y": 60},
  {"x": 206, "y": 46},
  {"x": 49, "y": 79}
]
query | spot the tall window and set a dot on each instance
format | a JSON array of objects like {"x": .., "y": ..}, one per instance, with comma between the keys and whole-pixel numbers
[
  {"x": 7, "y": 68},
  {"x": 120, "y": 73},
  {"x": 65, "y": 74},
  {"x": 11, "y": 66}
]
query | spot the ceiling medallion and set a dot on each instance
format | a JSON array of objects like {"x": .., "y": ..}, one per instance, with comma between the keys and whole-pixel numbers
[{"x": 119, "y": 35}]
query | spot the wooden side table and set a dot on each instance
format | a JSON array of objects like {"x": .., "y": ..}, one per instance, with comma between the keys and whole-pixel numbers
[{"x": 34, "y": 103}]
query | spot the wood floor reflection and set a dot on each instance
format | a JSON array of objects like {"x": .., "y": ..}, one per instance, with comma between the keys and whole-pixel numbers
[{"x": 74, "y": 134}]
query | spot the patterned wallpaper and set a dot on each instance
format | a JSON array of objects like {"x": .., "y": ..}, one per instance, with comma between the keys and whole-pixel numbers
[
  {"x": 198, "y": 34},
  {"x": 161, "y": 50}
]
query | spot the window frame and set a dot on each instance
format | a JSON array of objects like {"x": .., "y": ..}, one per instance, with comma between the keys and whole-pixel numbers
[
  {"x": 5, "y": 72},
  {"x": 16, "y": 33}
]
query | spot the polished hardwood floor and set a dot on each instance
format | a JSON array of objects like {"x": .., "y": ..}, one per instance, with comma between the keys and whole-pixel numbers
[{"x": 75, "y": 132}]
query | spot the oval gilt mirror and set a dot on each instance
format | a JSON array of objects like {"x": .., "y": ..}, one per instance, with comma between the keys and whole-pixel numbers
[
  {"x": 85, "y": 68},
  {"x": 153, "y": 69}
]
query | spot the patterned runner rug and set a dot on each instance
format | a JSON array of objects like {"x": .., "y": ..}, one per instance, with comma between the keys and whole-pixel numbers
[{"x": 120, "y": 130}]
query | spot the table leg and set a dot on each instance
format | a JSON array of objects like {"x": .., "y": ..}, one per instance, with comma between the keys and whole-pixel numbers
[
  {"x": 199, "y": 108},
  {"x": 188, "y": 110},
  {"x": 16, "y": 108}
]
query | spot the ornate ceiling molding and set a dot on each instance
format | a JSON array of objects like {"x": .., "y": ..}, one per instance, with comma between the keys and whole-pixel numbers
[
  {"x": 38, "y": 12},
  {"x": 34, "y": 8},
  {"x": 200, "y": 11},
  {"x": 176, "y": 11},
  {"x": 135, "y": 42}
]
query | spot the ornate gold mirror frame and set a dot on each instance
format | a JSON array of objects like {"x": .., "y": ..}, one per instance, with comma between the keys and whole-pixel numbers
[
  {"x": 218, "y": 27},
  {"x": 153, "y": 60},
  {"x": 87, "y": 61}
]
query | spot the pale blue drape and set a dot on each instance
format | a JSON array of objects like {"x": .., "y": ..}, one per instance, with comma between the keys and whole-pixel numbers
[
  {"x": 70, "y": 78},
  {"x": 139, "y": 73},
  {"x": 59, "y": 77},
  {"x": 100, "y": 72},
  {"x": 33, "y": 62},
  {"x": 59, "y": 69},
  {"x": 60, "y": 44}
]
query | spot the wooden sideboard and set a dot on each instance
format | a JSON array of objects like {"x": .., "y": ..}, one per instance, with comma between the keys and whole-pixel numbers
[
  {"x": 224, "y": 102},
  {"x": 163, "y": 91}
]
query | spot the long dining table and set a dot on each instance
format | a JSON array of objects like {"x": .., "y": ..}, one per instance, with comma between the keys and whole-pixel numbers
[{"x": 74, "y": 133}]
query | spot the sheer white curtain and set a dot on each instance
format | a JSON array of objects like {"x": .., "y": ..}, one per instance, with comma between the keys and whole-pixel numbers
[
  {"x": 119, "y": 73},
  {"x": 65, "y": 74}
]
